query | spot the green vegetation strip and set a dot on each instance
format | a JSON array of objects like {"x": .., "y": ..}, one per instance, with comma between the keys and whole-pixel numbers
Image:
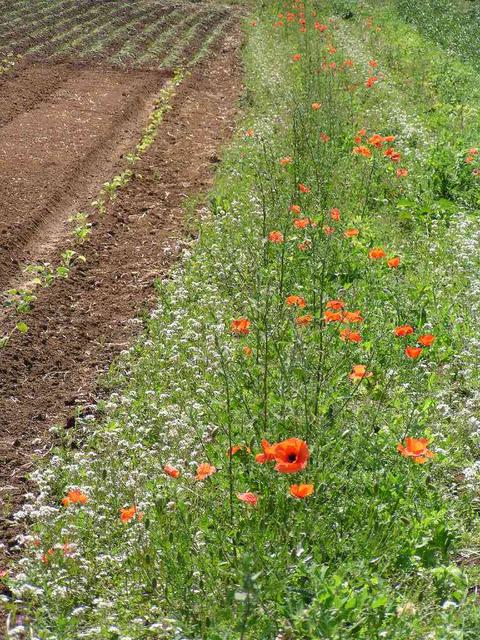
[{"x": 290, "y": 451}]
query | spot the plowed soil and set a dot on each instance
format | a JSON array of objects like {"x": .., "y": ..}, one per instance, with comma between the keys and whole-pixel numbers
[{"x": 56, "y": 142}]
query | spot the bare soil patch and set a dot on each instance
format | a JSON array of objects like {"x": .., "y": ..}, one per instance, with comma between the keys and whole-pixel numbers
[{"x": 78, "y": 325}]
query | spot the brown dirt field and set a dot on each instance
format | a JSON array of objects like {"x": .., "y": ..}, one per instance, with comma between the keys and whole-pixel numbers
[
  {"x": 61, "y": 139},
  {"x": 78, "y": 325}
]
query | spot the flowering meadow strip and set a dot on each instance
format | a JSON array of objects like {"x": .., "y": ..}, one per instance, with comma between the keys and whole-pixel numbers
[{"x": 285, "y": 454}]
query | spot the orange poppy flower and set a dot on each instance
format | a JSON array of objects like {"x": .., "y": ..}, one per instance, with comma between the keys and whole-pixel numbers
[
  {"x": 249, "y": 498},
  {"x": 376, "y": 253},
  {"x": 303, "y": 188},
  {"x": 351, "y": 233},
  {"x": 286, "y": 160},
  {"x": 416, "y": 448},
  {"x": 324, "y": 137},
  {"x": 373, "y": 64},
  {"x": 362, "y": 151},
  {"x": 362, "y": 132},
  {"x": 296, "y": 57},
  {"x": 426, "y": 340},
  {"x": 348, "y": 63},
  {"x": 249, "y": 133},
  {"x": 291, "y": 455},
  {"x": 301, "y": 490},
  {"x": 171, "y": 471},
  {"x": 473, "y": 151},
  {"x": 335, "y": 214},
  {"x": 295, "y": 209},
  {"x": 331, "y": 50},
  {"x": 347, "y": 335},
  {"x": 393, "y": 262},
  {"x": 352, "y": 316},
  {"x": 316, "y": 106},
  {"x": 328, "y": 230},
  {"x": 204, "y": 470},
  {"x": 240, "y": 327},
  {"x": 403, "y": 330},
  {"x": 75, "y": 496},
  {"x": 469, "y": 159},
  {"x": 402, "y": 173},
  {"x": 236, "y": 448},
  {"x": 303, "y": 321},
  {"x": 268, "y": 452},
  {"x": 332, "y": 316},
  {"x": 389, "y": 138},
  {"x": 276, "y": 237},
  {"x": 336, "y": 305},
  {"x": 247, "y": 350},
  {"x": 127, "y": 514},
  {"x": 296, "y": 301},
  {"x": 304, "y": 246},
  {"x": 371, "y": 81},
  {"x": 301, "y": 223},
  {"x": 359, "y": 372},
  {"x": 376, "y": 140},
  {"x": 320, "y": 27},
  {"x": 413, "y": 352}
]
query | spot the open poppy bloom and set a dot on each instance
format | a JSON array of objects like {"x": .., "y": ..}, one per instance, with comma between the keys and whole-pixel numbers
[
  {"x": 324, "y": 137},
  {"x": 291, "y": 455},
  {"x": 295, "y": 209},
  {"x": 373, "y": 64},
  {"x": 362, "y": 151},
  {"x": 249, "y": 133},
  {"x": 359, "y": 372},
  {"x": 393, "y": 262},
  {"x": 371, "y": 81},
  {"x": 335, "y": 214},
  {"x": 352, "y": 316},
  {"x": 336, "y": 305},
  {"x": 332, "y": 316},
  {"x": 402, "y": 172},
  {"x": 301, "y": 223},
  {"x": 127, "y": 514},
  {"x": 276, "y": 237},
  {"x": 240, "y": 327},
  {"x": 376, "y": 253},
  {"x": 426, "y": 340},
  {"x": 303, "y": 188},
  {"x": 301, "y": 490},
  {"x": 268, "y": 453},
  {"x": 413, "y": 352},
  {"x": 75, "y": 496},
  {"x": 351, "y": 233},
  {"x": 236, "y": 448},
  {"x": 415, "y": 448},
  {"x": 303, "y": 321},
  {"x": 296, "y": 301},
  {"x": 248, "y": 497},
  {"x": 347, "y": 335},
  {"x": 204, "y": 470},
  {"x": 403, "y": 330},
  {"x": 171, "y": 471},
  {"x": 286, "y": 160},
  {"x": 296, "y": 57},
  {"x": 328, "y": 230},
  {"x": 316, "y": 106}
]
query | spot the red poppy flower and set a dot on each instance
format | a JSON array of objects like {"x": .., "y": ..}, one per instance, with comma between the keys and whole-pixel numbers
[
  {"x": 426, "y": 340},
  {"x": 402, "y": 173},
  {"x": 328, "y": 230},
  {"x": 303, "y": 188},
  {"x": 248, "y": 497},
  {"x": 295, "y": 209},
  {"x": 240, "y": 327},
  {"x": 296, "y": 57},
  {"x": 291, "y": 455},
  {"x": 303, "y": 321},
  {"x": 376, "y": 140},
  {"x": 332, "y": 316},
  {"x": 128, "y": 514},
  {"x": 413, "y": 352},
  {"x": 276, "y": 237},
  {"x": 352, "y": 316},
  {"x": 416, "y": 448},
  {"x": 316, "y": 106},
  {"x": 301, "y": 491},
  {"x": 351, "y": 233},
  {"x": 336, "y": 305},
  {"x": 75, "y": 496},
  {"x": 376, "y": 253},
  {"x": 335, "y": 214},
  {"x": 268, "y": 452},
  {"x": 347, "y": 335},
  {"x": 171, "y": 471},
  {"x": 371, "y": 81},
  {"x": 204, "y": 470},
  {"x": 359, "y": 372},
  {"x": 286, "y": 160},
  {"x": 373, "y": 64},
  {"x": 304, "y": 246},
  {"x": 324, "y": 137},
  {"x": 301, "y": 223},
  {"x": 393, "y": 262},
  {"x": 403, "y": 330},
  {"x": 362, "y": 151},
  {"x": 296, "y": 301}
]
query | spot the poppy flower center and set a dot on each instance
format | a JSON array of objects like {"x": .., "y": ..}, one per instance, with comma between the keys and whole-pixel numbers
[{"x": 292, "y": 457}]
